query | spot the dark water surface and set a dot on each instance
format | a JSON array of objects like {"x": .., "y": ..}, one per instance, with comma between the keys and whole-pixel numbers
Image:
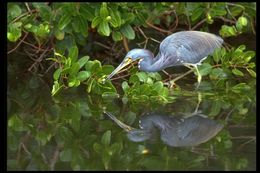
[{"x": 72, "y": 132}]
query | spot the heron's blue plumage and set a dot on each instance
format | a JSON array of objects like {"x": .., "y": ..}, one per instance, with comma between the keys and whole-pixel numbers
[{"x": 176, "y": 49}]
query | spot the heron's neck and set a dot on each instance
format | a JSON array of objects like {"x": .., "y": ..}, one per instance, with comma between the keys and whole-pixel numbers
[{"x": 148, "y": 63}]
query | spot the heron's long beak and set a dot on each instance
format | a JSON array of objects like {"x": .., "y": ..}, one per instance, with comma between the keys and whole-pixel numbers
[
  {"x": 121, "y": 66},
  {"x": 119, "y": 123}
]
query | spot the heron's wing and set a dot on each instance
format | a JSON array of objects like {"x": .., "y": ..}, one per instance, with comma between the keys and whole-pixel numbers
[
  {"x": 189, "y": 46},
  {"x": 197, "y": 130}
]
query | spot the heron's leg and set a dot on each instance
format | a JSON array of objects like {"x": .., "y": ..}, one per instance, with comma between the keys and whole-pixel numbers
[
  {"x": 198, "y": 104},
  {"x": 189, "y": 65},
  {"x": 172, "y": 82},
  {"x": 199, "y": 76}
]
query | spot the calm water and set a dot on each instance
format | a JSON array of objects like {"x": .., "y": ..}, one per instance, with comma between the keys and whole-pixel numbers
[{"x": 72, "y": 132}]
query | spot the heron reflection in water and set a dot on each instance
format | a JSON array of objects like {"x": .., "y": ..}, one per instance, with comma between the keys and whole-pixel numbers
[{"x": 176, "y": 131}]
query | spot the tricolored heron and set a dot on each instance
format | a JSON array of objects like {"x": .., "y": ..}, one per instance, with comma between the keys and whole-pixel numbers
[
  {"x": 188, "y": 48},
  {"x": 176, "y": 131}
]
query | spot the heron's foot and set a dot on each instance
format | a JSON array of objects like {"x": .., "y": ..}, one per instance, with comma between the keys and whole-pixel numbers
[
  {"x": 199, "y": 80},
  {"x": 172, "y": 84}
]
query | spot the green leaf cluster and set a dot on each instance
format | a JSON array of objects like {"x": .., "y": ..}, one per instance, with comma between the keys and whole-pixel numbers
[{"x": 144, "y": 87}]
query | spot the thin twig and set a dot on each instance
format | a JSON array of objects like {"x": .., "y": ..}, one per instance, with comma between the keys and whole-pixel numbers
[
  {"x": 226, "y": 20},
  {"x": 119, "y": 77},
  {"x": 48, "y": 69},
  {"x": 230, "y": 13},
  {"x": 142, "y": 32},
  {"x": 181, "y": 76},
  {"x": 102, "y": 45},
  {"x": 198, "y": 24},
  {"x": 25, "y": 14},
  {"x": 242, "y": 137},
  {"x": 38, "y": 60},
  {"x": 18, "y": 44},
  {"x": 157, "y": 28},
  {"x": 176, "y": 21},
  {"x": 28, "y": 8},
  {"x": 188, "y": 20},
  {"x": 155, "y": 40},
  {"x": 54, "y": 158},
  {"x": 30, "y": 44},
  {"x": 125, "y": 44}
]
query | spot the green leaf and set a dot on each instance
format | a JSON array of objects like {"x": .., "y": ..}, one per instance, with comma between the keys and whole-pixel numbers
[
  {"x": 103, "y": 10},
  {"x": 96, "y": 21},
  {"x": 72, "y": 81},
  {"x": 215, "y": 108},
  {"x": 130, "y": 118},
  {"x": 228, "y": 144},
  {"x": 128, "y": 32},
  {"x": 241, "y": 87},
  {"x": 117, "y": 36},
  {"x": 64, "y": 21},
  {"x": 87, "y": 12},
  {"x": 90, "y": 83},
  {"x": 197, "y": 13},
  {"x": 76, "y": 24},
  {"x": 56, "y": 88},
  {"x": 110, "y": 95},
  {"x": 63, "y": 135},
  {"x": 13, "y": 11},
  {"x": 235, "y": 10},
  {"x": 73, "y": 53},
  {"x": 16, "y": 123},
  {"x": 66, "y": 155},
  {"x": 83, "y": 26},
  {"x": 34, "y": 83},
  {"x": 107, "y": 69},
  {"x": 217, "y": 73},
  {"x": 115, "y": 18},
  {"x": 125, "y": 86},
  {"x": 251, "y": 72},
  {"x": 116, "y": 148},
  {"x": 82, "y": 61},
  {"x": 217, "y": 55},
  {"x": 83, "y": 75},
  {"x": 142, "y": 76},
  {"x": 134, "y": 79},
  {"x": 45, "y": 12},
  {"x": 242, "y": 21},
  {"x": 227, "y": 31},
  {"x": 97, "y": 148},
  {"x": 104, "y": 29},
  {"x": 218, "y": 11},
  {"x": 155, "y": 75},
  {"x": 14, "y": 31},
  {"x": 158, "y": 86},
  {"x": 164, "y": 92},
  {"x": 205, "y": 69},
  {"x": 96, "y": 66},
  {"x": 88, "y": 65},
  {"x": 106, "y": 138},
  {"x": 247, "y": 56},
  {"x": 60, "y": 35},
  {"x": 237, "y": 72}
]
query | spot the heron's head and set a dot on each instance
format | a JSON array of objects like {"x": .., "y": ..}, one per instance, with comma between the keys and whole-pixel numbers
[{"x": 131, "y": 56}]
